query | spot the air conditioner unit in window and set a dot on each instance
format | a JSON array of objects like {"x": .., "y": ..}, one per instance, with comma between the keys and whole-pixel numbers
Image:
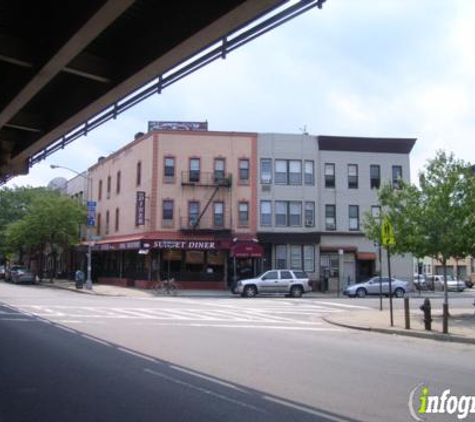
[
  {"x": 308, "y": 223},
  {"x": 265, "y": 179}
]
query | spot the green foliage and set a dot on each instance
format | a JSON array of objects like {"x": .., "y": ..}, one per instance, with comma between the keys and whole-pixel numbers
[
  {"x": 35, "y": 217},
  {"x": 436, "y": 218}
]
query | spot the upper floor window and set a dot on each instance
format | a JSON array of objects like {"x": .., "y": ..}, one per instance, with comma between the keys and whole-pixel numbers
[
  {"x": 167, "y": 209},
  {"x": 117, "y": 215},
  {"x": 244, "y": 171},
  {"x": 330, "y": 217},
  {"x": 376, "y": 211},
  {"x": 117, "y": 186},
  {"x": 352, "y": 176},
  {"x": 288, "y": 172},
  {"x": 329, "y": 175},
  {"x": 219, "y": 165},
  {"x": 280, "y": 213},
  {"x": 243, "y": 213},
  {"x": 138, "y": 179},
  {"x": 266, "y": 213},
  {"x": 266, "y": 170},
  {"x": 109, "y": 182},
  {"x": 193, "y": 213},
  {"x": 309, "y": 214},
  {"x": 107, "y": 221},
  {"x": 169, "y": 167},
  {"x": 375, "y": 176},
  {"x": 218, "y": 214},
  {"x": 309, "y": 177},
  {"x": 288, "y": 213},
  {"x": 354, "y": 214},
  {"x": 397, "y": 175},
  {"x": 194, "y": 169},
  {"x": 99, "y": 195}
]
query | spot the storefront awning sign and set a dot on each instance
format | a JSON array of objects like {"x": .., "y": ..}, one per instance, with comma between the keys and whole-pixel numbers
[
  {"x": 202, "y": 245},
  {"x": 247, "y": 250}
]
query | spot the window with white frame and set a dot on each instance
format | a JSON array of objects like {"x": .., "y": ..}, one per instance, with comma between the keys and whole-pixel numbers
[
  {"x": 167, "y": 209},
  {"x": 309, "y": 214},
  {"x": 219, "y": 165},
  {"x": 352, "y": 176},
  {"x": 194, "y": 169},
  {"x": 295, "y": 214},
  {"x": 397, "y": 175},
  {"x": 354, "y": 214},
  {"x": 309, "y": 171},
  {"x": 330, "y": 217},
  {"x": 218, "y": 214},
  {"x": 280, "y": 172},
  {"x": 374, "y": 176},
  {"x": 329, "y": 175},
  {"x": 169, "y": 170},
  {"x": 295, "y": 172},
  {"x": 302, "y": 257},
  {"x": 296, "y": 257},
  {"x": 309, "y": 258},
  {"x": 193, "y": 213},
  {"x": 243, "y": 213},
  {"x": 281, "y": 256},
  {"x": 266, "y": 213},
  {"x": 244, "y": 171},
  {"x": 266, "y": 170},
  {"x": 280, "y": 213},
  {"x": 375, "y": 211}
]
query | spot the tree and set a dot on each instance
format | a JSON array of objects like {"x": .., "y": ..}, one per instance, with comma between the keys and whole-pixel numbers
[
  {"x": 436, "y": 218},
  {"x": 51, "y": 222}
]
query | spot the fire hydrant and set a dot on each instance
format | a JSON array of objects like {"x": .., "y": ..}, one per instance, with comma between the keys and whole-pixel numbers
[{"x": 426, "y": 308}]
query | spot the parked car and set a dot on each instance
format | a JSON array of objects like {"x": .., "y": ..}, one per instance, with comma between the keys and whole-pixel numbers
[
  {"x": 453, "y": 284},
  {"x": 20, "y": 274},
  {"x": 291, "y": 282},
  {"x": 420, "y": 282},
  {"x": 371, "y": 287},
  {"x": 469, "y": 283}
]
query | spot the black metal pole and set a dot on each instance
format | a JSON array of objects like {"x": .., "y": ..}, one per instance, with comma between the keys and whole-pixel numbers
[{"x": 390, "y": 289}]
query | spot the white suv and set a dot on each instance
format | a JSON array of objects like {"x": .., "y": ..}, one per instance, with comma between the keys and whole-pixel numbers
[{"x": 291, "y": 282}]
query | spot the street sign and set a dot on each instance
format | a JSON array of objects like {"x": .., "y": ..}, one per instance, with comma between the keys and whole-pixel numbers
[
  {"x": 91, "y": 222},
  {"x": 91, "y": 204},
  {"x": 387, "y": 232}
]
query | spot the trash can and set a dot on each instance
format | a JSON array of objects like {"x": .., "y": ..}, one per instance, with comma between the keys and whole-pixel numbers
[{"x": 79, "y": 277}]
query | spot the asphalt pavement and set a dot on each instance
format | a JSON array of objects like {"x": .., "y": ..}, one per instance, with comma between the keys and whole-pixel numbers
[{"x": 461, "y": 321}]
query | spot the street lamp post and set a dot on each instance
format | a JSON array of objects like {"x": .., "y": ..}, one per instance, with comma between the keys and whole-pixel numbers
[{"x": 89, "y": 242}]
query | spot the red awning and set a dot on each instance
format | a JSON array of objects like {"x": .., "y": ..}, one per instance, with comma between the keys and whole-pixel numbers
[
  {"x": 366, "y": 256},
  {"x": 247, "y": 250}
]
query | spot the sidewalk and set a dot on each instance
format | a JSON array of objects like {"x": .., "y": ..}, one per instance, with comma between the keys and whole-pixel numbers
[{"x": 461, "y": 322}]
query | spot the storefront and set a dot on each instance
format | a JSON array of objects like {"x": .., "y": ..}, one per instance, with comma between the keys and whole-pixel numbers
[{"x": 245, "y": 261}]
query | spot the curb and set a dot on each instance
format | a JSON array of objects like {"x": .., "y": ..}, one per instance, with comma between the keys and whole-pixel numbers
[{"x": 416, "y": 334}]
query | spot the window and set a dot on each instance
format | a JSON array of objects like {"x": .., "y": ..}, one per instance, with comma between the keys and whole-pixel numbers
[
  {"x": 309, "y": 178},
  {"x": 99, "y": 224},
  {"x": 330, "y": 217},
  {"x": 309, "y": 258},
  {"x": 266, "y": 170},
  {"x": 295, "y": 214},
  {"x": 352, "y": 176},
  {"x": 193, "y": 213},
  {"x": 117, "y": 185},
  {"x": 117, "y": 219},
  {"x": 280, "y": 256},
  {"x": 99, "y": 196},
  {"x": 309, "y": 214},
  {"x": 288, "y": 172},
  {"x": 243, "y": 213},
  {"x": 108, "y": 187},
  {"x": 194, "y": 169},
  {"x": 296, "y": 257},
  {"x": 244, "y": 171},
  {"x": 167, "y": 209},
  {"x": 218, "y": 214},
  {"x": 397, "y": 174},
  {"x": 354, "y": 215},
  {"x": 281, "y": 213},
  {"x": 219, "y": 165},
  {"x": 266, "y": 213},
  {"x": 375, "y": 176},
  {"x": 107, "y": 221},
  {"x": 169, "y": 167},
  {"x": 329, "y": 175},
  {"x": 138, "y": 179},
  {"x": 281, "y": 172},
  {"x": 331, "y": 263}
]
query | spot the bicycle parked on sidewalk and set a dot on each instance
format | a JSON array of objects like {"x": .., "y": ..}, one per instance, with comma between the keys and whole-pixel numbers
[{"x": 166, "y": 287}]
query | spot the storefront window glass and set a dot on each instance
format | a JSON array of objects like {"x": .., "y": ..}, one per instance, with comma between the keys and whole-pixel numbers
[{"x": 281, "y": 256}]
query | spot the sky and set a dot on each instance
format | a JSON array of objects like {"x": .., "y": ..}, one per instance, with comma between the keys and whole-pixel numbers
[{"x": 376, "y": 68}]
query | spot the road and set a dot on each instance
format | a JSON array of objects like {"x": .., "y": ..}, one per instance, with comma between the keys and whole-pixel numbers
[{"x": 72, "y": 357}]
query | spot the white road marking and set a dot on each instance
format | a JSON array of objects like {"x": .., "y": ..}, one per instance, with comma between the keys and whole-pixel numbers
[{"x": 219, "y": 396}]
